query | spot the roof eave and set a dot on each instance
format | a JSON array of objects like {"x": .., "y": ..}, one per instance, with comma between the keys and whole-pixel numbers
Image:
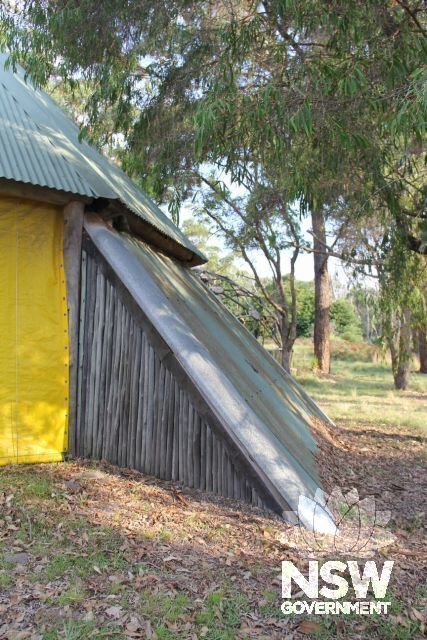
[
  {"x": 107, "y": 209},
  {"x": 121, "y": 214},
  {"x": 15, "y": 189}
]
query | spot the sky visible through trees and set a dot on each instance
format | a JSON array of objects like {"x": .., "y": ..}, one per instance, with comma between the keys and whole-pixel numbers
[{"x": 267, "y": 118}]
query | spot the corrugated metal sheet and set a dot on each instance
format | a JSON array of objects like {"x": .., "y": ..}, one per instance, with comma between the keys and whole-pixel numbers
[
  {"x": 263, "y": 409},
  {"x": 28, "y": 154},
  {"x": 40, "y": 145}
]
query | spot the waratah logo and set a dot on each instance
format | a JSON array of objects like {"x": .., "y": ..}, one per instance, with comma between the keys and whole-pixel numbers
[{"x": 338, "y": 523}]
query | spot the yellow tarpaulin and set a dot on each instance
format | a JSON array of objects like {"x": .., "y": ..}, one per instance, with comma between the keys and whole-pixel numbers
[{"x": 33, "y": 333}]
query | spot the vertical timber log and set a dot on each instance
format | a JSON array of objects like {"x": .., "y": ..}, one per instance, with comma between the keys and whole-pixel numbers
[
  {"x": 80, "y": 372},
  {"x": 170, "y": 425},
  {"x": 134, "y": 410},
  {"x": 175, "y": 445},
  {"x": 208, "y": 470},
  {"x": 72, "y": 250}
]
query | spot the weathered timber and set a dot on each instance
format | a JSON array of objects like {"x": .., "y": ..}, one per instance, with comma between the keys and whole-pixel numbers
[
  {"x": 72, "y": 250},
  {"x": 135, "y": 407}
]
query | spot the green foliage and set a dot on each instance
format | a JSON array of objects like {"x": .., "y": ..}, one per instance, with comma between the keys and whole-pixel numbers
[
  {"x": 343, "y": 315},
  {"x": 259, "y": 222},
  {"x": 297, "y": 101},
  {"x": 203, "y": 236},
  {"x": 319, "y": 94},
  {"x": 305, "y": 308},
  {"x": 345, "y": 320},
  {"x": 401, "y": 302}
]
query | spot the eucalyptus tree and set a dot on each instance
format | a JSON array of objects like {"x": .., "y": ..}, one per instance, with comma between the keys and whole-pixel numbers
[
  {"x": 422, "y": 346},
  {"x": 311, "y": 91},
  {"x": 402, "y": 304},
  {"x": 398, "y": 300},
  {"x": 420, "y": 327},
  {"x": 260, "y": 223},
  {"x": 239, "y": 82}
]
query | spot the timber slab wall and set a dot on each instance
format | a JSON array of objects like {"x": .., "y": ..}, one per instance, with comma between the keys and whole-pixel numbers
[{"x": 133, "y": 409}]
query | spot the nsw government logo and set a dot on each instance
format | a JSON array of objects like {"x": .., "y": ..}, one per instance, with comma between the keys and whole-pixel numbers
[{"x": 350, "y": 531}]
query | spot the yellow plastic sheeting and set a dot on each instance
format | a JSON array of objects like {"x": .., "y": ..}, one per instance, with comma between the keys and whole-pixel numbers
[{"x": 33, "y": 333}]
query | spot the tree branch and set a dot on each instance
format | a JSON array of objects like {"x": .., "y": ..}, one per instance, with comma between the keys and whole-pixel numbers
[
  {"x": 340, "y": 256},
  {"x": 413, "y": 15}
]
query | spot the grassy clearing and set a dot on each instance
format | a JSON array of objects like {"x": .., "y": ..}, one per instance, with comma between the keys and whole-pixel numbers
[
  {"x": 360, "y": 388},
  {"x": 114, "y": 555}
]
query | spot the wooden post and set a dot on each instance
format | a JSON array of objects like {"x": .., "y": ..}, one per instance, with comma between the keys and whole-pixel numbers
[{"x": 72, "y": 249}]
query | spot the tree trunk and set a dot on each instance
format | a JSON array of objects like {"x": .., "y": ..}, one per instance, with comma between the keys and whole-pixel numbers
[
  {"x": 401, "y": 378},
  {"x": 286, "y": 358},
  {"x": 287, "y": 345},
  {"x": 403, "y": 354},
  {"x": 422, "y": 349},
  {"x": 321, "y": 294}
]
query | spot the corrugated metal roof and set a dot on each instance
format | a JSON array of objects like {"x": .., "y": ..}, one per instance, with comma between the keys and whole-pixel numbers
[
  {"x": 261, "y": 406},
  {"x": 40, "y": 145}
]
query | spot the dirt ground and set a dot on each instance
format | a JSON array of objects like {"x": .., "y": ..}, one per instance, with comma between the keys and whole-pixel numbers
[{"x": 90, "y": 551}]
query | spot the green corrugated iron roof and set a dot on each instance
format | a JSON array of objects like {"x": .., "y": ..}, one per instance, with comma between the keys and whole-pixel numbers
[
  {"x": 262, "y": 408},
  {"x": 40, "y": 145}
]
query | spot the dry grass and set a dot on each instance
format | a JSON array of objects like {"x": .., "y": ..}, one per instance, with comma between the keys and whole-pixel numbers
[{"x": 114, "y": 554}]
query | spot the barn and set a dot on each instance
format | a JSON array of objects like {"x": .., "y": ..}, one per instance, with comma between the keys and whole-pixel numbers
[{"x": 111, "y": 347}]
